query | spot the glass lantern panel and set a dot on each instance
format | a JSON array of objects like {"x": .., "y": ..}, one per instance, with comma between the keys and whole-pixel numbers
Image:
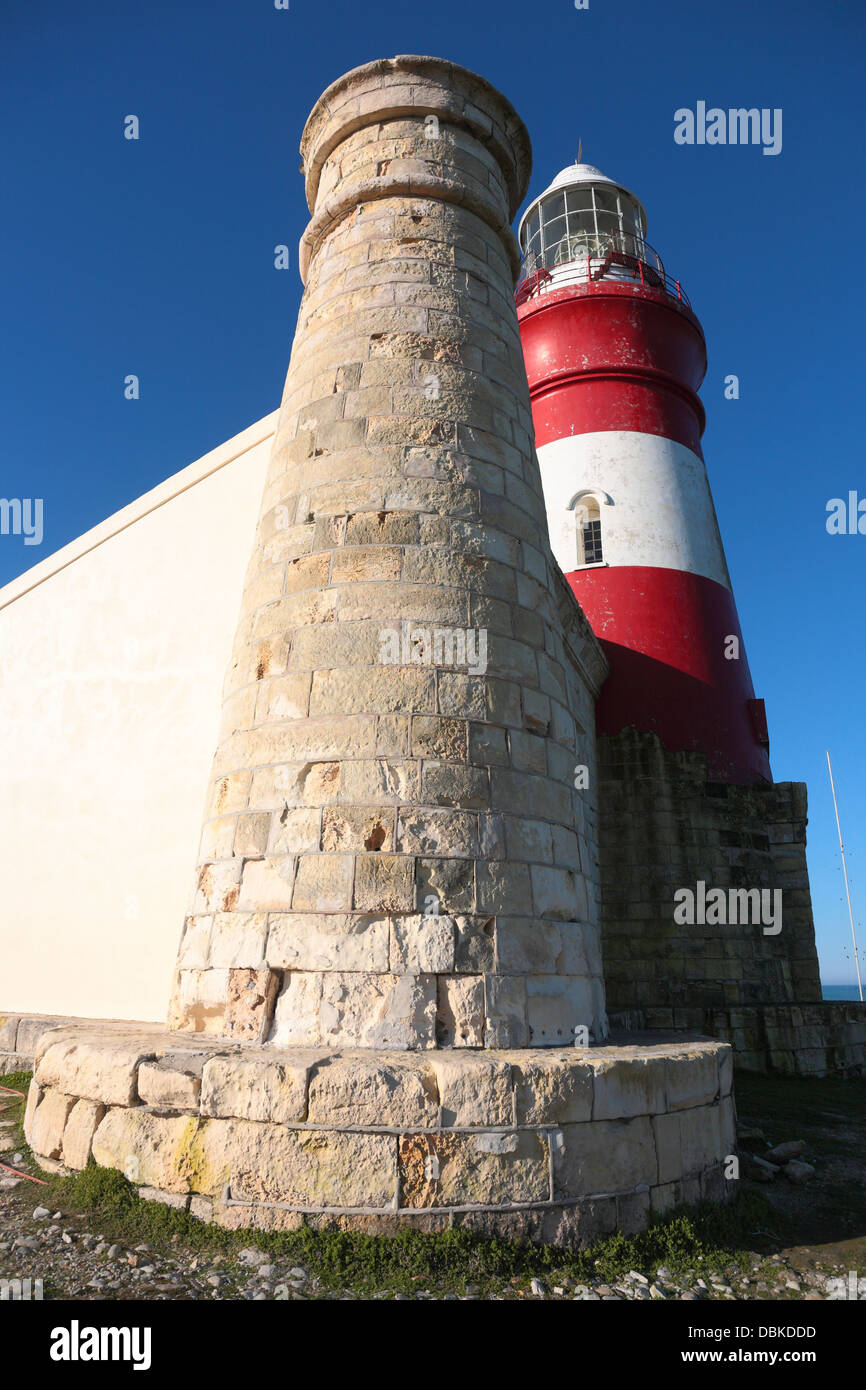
[
  {"x": 608, "y": 223},
  {"x": 606, "y": 200},
  {"x": 579, "y": 200},
  {"x": 553, "y": 207},
  {"x": 581, "y": 221},
  {"x": 530, "y": 229},
  {"x": 631, "y": 217},
  {"x": 532, "y": 254},
  {"x": 554, "y": 236}
]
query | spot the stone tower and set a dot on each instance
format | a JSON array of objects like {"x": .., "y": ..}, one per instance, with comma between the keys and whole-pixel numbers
[
  {"x": 394, "y": 852},
  {"x": 389, "y": 1003}
]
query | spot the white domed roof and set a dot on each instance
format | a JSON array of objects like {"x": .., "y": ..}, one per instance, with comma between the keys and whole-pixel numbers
[
  {"x": 579, "y": 173},
  {"x": 575, "y": 174}
]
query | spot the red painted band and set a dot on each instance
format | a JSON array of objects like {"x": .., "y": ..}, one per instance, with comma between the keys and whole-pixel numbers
[
  {"x": 613, "y": 359},
  {"x": 614, "y": 402},
  {"x": 665, "y": 634}
]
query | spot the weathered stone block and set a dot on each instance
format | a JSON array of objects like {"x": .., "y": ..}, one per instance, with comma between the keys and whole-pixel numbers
[
  {"x": 8, "y": 1032},
  {"x": 256, "y": 1089},
  {"x": 34, "y": 1096},
  {"x": 237, "y": 940},
  {"x": 167, "y": 1088},
  {"x": 47, "y": 1123},
  {"x": 358, "y": 1010},
  {"x": 505, "y": 1009},
  {"x": 384, "y": 883},
  {"x": 357, "y": 828},
  {"x": 632, "y": 1212},
  {"x": 154, "y": 1150},
  {"x": 198, "y": 1002},
  {"x": 381, "y": 1092},
  {"x": 473, "y": 1169},
  {"x": 473, "y": 1090},
  {"x": 332, "y": 941},
  {"x": 604, "y": 1156},
  {"x": 628, "y": 1086},
  {"x": 557, "y": 1006},
  {"x": 249, "y": 1003},
  {"x": 105, "y": 1072},
  {"x": 305, "y": 1168},
  {"x": 421, "y": 944},
  {"x": 692, "y": 1079},
  {"x": 177, "y": 1200},
  {"x": 460, "y": 1014},
  {"x": 267, "y": 884},
  {"x": 554, "y": 1090},
  {"x": 700, "y": 1139}
]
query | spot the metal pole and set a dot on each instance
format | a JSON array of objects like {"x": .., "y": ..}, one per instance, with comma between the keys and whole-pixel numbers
[{"x": 845, "y": 873}]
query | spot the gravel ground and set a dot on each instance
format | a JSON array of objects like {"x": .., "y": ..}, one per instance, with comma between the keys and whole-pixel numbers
[{"x": 75, "y": 1261}]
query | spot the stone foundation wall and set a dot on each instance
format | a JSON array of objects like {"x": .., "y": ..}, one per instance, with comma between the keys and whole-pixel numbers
[
  {"x": 825, "y": 1039},
  {"x": 20, "y": 1034},
  {"x": 663, "y": 826},
  {"x": 555, "y": 1145}
]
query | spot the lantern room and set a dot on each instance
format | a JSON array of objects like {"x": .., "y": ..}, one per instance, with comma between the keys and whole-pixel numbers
[{"x": 585, "y": 227}]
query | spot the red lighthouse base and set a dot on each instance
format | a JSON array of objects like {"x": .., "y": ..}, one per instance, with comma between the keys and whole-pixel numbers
[{"x": 674, "y": 670}]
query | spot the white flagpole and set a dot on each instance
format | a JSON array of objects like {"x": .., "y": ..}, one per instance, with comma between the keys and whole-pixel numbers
[{"x": 845, "y": 872}]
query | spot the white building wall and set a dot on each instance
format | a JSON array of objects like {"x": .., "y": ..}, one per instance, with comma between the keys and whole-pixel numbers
[{"x": 112, "y": 658}]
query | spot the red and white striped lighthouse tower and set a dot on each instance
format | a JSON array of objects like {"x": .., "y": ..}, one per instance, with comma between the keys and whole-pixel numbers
[{"x": 615, "y": 356}]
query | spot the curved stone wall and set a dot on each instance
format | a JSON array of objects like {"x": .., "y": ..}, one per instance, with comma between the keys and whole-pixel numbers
[
  {"x": 541, "y": 1143},
  {"x": 395, "y": 854}
]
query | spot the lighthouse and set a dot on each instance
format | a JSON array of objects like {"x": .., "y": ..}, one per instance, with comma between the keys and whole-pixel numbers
[{"x": 615, "y": 356}]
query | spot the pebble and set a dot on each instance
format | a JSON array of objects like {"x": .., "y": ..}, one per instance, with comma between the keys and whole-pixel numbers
[
  {"x": 782, "y": 1152},
  {"x": 798, "y": 1172}
]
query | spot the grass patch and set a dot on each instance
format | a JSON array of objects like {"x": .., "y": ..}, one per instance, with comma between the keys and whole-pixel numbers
[
  {"x": 703, "y": 1238},
  {"x": 15, "y": 1081},
  {"x": 829, "y": 1111}
]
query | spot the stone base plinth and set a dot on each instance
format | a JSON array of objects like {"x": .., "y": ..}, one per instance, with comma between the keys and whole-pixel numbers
[{"x": 555, "y": 1145}]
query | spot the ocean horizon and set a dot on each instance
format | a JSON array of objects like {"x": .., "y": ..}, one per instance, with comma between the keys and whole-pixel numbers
[{"x": 844, "y": 992}]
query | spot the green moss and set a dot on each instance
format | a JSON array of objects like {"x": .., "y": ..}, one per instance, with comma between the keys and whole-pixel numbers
[
  {"x": 15, "y": 1081},
  {"x": 709, "y": 1237}
]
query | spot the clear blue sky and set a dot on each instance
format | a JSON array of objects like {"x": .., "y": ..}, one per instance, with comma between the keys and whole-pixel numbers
[{"x": 156, "y": 258}]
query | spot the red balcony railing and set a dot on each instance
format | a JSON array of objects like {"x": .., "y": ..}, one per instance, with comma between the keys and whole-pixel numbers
[{"x": 583, "y": 270}]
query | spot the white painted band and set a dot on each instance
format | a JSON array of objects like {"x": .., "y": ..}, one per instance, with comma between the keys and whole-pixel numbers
[{"x": 654, "y": 500}]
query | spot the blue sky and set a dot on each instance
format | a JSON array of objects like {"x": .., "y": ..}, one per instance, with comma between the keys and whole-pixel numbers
[{"x": 155, "y": 257}]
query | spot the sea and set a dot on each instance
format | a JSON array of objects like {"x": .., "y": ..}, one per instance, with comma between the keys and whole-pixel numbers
[{"x": 843, "y": 992}]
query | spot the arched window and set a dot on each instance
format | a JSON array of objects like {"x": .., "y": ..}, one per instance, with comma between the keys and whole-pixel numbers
[{"x": 587, "y": 523}]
